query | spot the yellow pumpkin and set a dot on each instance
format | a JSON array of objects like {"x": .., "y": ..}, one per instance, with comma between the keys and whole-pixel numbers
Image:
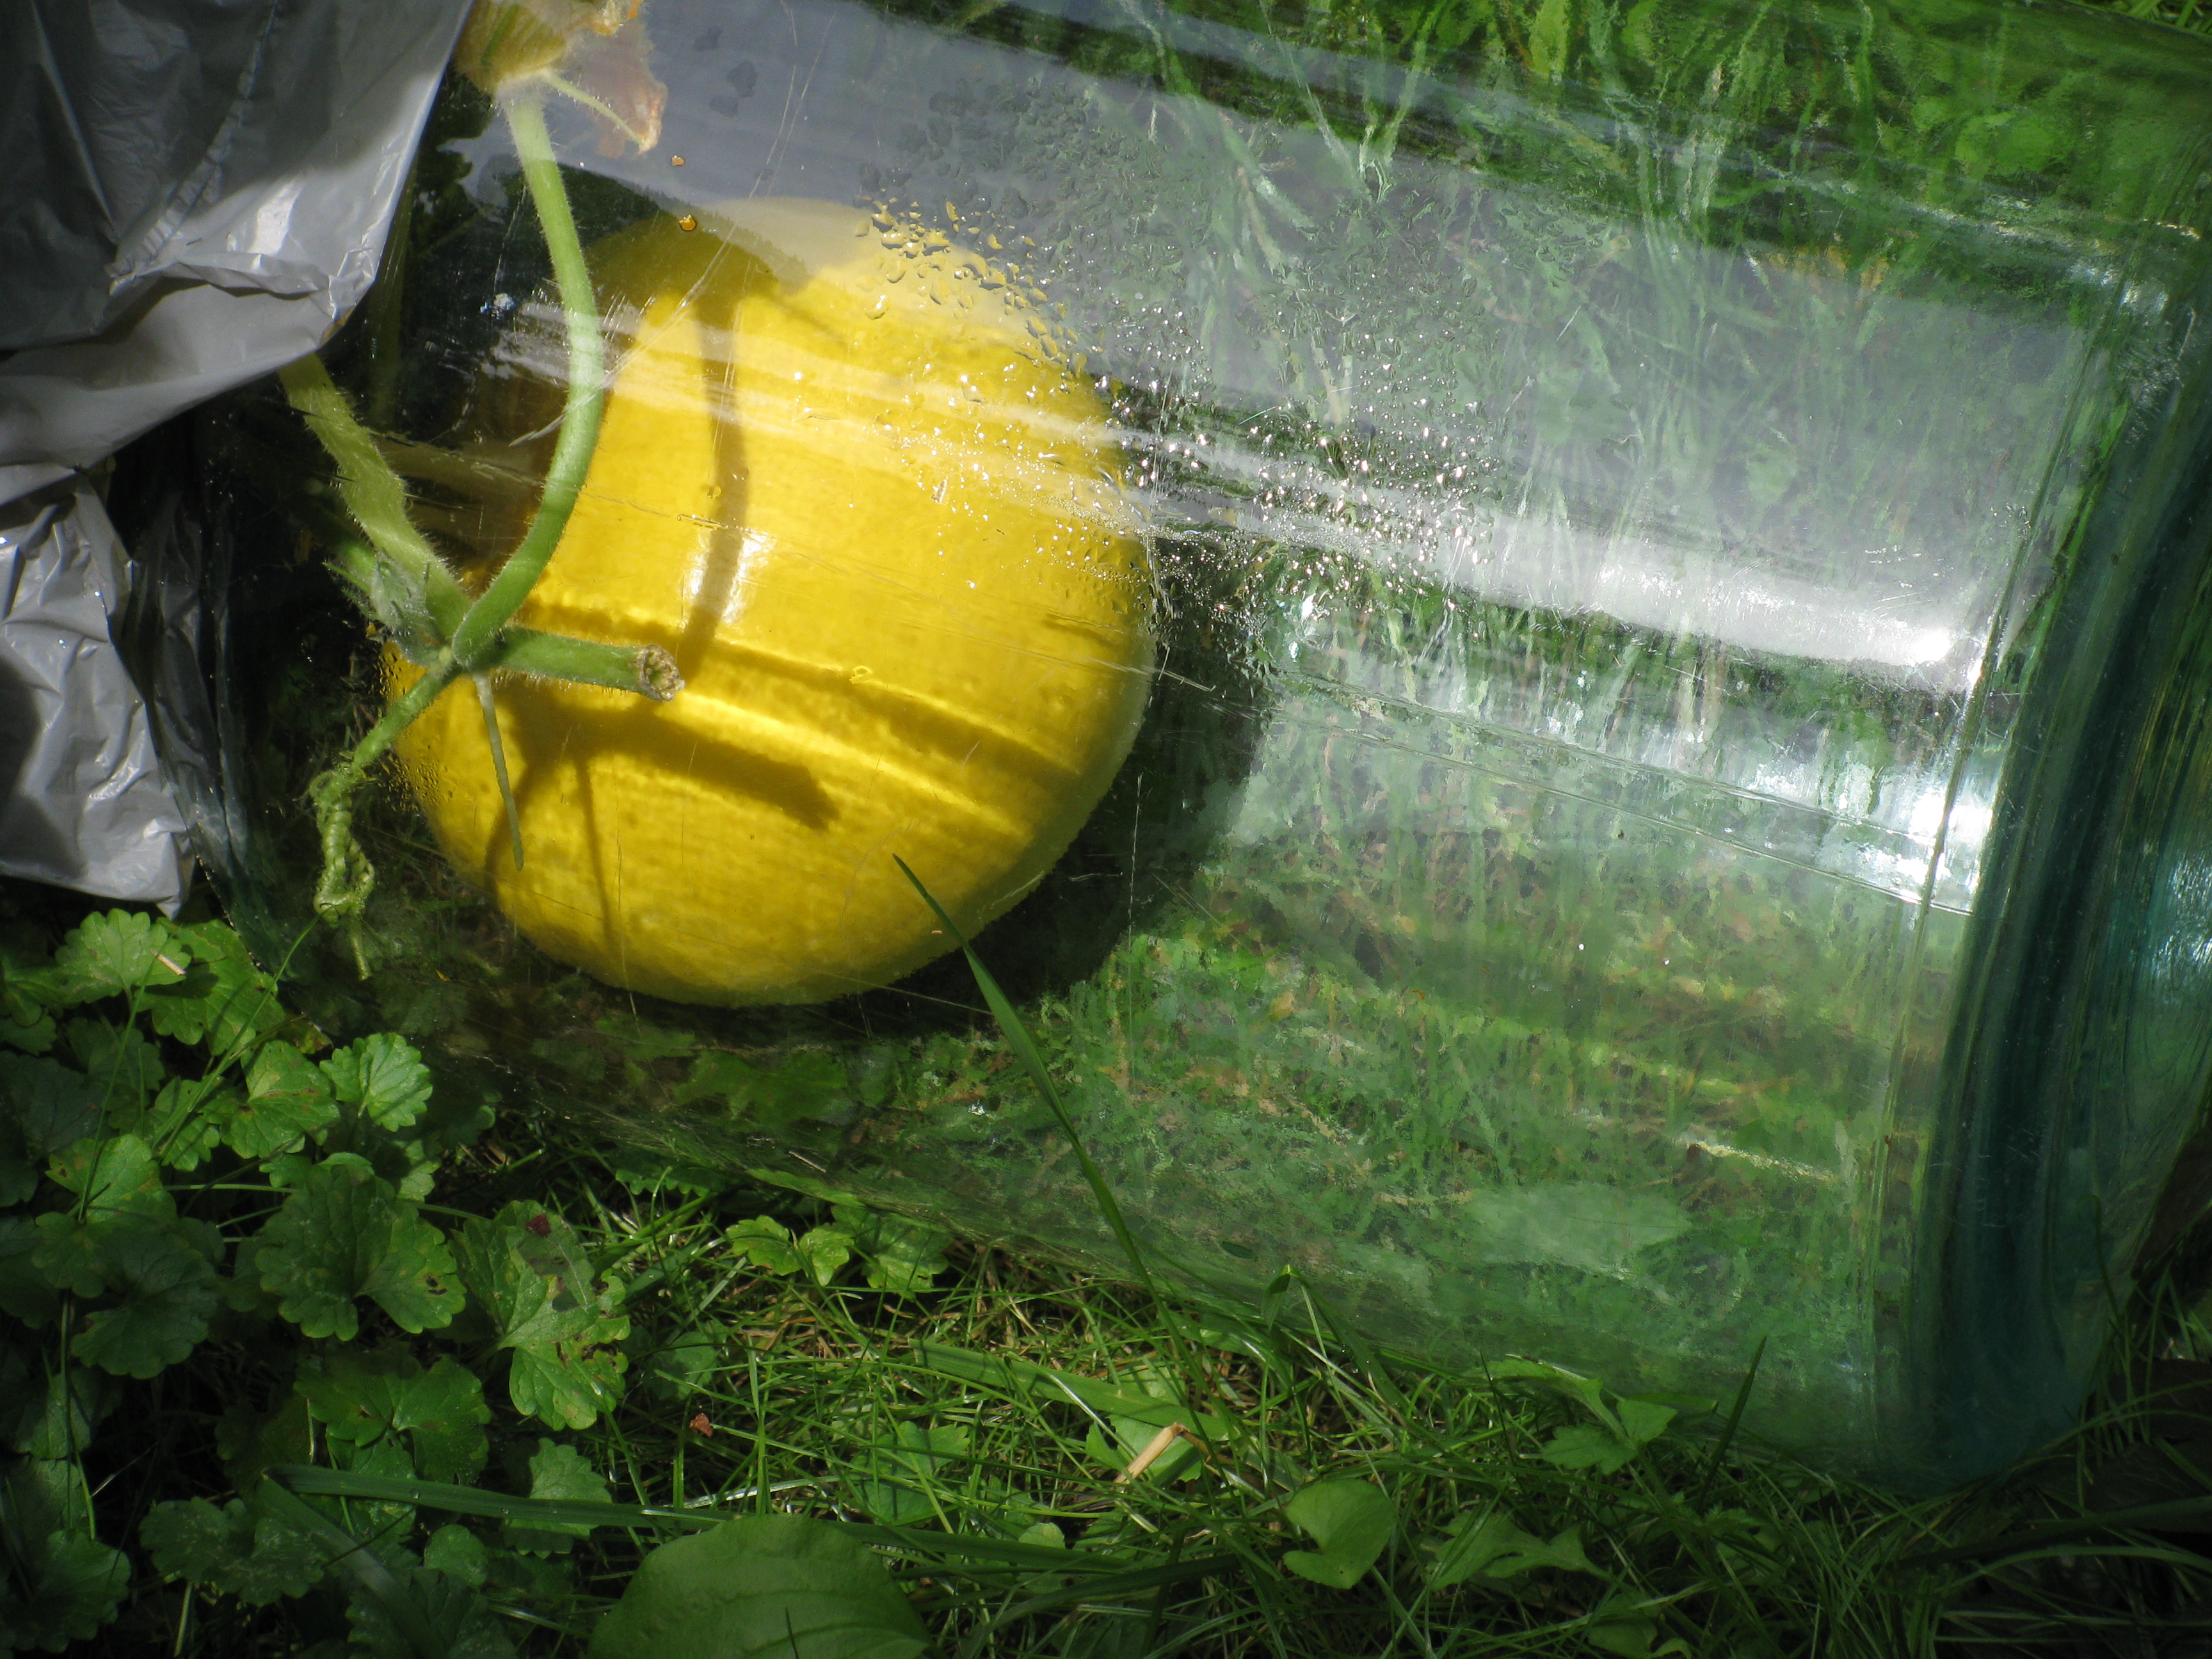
[{"x": 876, "y": 516}]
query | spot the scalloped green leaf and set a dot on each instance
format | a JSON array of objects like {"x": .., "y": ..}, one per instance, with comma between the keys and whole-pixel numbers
[
  {"x": 117, "y": 953},
  {"x": 67, "y": 1586},
  {"x": 230, "y": 1552},
  {"x": 222, "y": 1001},
  {"x": 344, "y": 1235},
  {"x": 288, "y": 1098},
  {"x": 558, "y": 1473},
  {"x": 385, "y": 1393},
  {"x": 167, "y": 1292},
  {"x": 530, "y": 1276},
  {"x": 382, "y": 1078}
]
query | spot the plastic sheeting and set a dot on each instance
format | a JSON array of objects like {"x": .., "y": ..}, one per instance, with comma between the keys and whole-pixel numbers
[{"x": 195, "y": 193}]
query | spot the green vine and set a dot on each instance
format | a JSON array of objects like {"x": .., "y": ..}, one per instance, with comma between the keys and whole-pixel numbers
[{"x": 403, "y": 583}]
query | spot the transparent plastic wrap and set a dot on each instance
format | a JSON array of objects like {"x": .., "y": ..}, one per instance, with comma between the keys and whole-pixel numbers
[{"x": 1560, "y": 651}]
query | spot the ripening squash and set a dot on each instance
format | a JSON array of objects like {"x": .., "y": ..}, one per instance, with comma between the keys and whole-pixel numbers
[{"x": 875, "y": 514}]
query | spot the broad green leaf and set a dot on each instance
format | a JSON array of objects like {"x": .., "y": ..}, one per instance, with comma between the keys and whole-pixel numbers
[
  {"x": 455, "y": 1550},
  {"x": 1351, "y": 1520},
  {"x": 682, "y": 1362},
  {"x": 122, "y": 1068},
  {"x": 1643, "y": 1421},
  {"x": 66, "y": 1587},
  {"x": 24, "y": 1292},
  {"x": 530, "y": 1276},
  {"x": 381, "y": 1078},
  {"x": 1494, "y": 1547},
  {"x": 344, "y": 1234},
  {"x": 559, "y": 1474},
  {"x": 896, "y": 1471},
  {"x": 115, "y": 954},
  {"x": 762, "y": 1587},
  {"x": 119, "y": 1192},
  {"x": 60, "y": 1425},
  {"x": 168, "y": 1291},
  {"x": 250, "y": 1443},
  {"x": 459, "y": 1623},
  {"x": 1584, "y": 1446},
  {"x": 288, "y": 1098},
  {"x": 766, "y": 1244},
  {"x": 230, "y": 1552},
  {"x": 224, "y": 1000},
  {"x": 24, "y": 1022},
  {"x": 49, "y": 1106},
  {"x": 643, "y": 1171},
  {"x": 382, "y": 1394}
]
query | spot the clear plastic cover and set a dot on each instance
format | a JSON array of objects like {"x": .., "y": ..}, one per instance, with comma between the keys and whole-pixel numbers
[{"x": 1556, "y": 647}]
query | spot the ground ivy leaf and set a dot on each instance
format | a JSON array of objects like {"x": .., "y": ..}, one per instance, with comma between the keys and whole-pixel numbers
[
  {"x": 1351, "y": 1520},
  {"x": 224, "y": 1000},
  {"x": 24, "y": 1292},
  {"x": 181, "y": 1125},
  {"x": 288, "y": 1098},
  {"x": 231, "y": 1553},
  {"x": 344, "y": 1233},
  {"x": 195, "y": 1541},
  {"x": 559, "y": 1474},
  {"x": 766, "y": 1244},
  {"x": 61, "y": 1425},
  {"x": 762, "y": 1587},
  {"x": 529, "y": 1276},
  {"x": 50, "y": 1106},
  {"x": 114, "y": 1178},
  {"x": 825, "y": 1251},
  {"x": 121, "y": 1066},
  {"x": 66, "y": 1589},
  {"x": 460, "y": 1622},
  {"x": 458, "y": 1553},
  {"x": 382, "y": 1078},
  {"x": 114, "y": 954},
  {"x": 364, "y": 1397},
  {"x": 168, "y": 1291}
]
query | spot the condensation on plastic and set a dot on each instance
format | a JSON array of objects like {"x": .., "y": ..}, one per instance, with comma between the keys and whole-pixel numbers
[
  {"x": 194, "y": 195},
  {"x": 1677, "y": 805}
]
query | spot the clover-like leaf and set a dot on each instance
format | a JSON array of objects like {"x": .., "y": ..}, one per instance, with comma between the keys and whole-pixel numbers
[
  {"x": 763, "y": 1587},
  {"x": 344, "y": 1234},
  {"x": 529, "y": 1276},
  {"x": 381, "y": 1079},
  {"x": 117, "y": 953},
  {"x": 168, "y": 1291},
  {"x": 222, "y": 1001},
  {"x": 1351, "y": 1520},
  {"x": 561, "y": 1475},
  {"x": 385, "y": 1393},
  {"x": 288, "y": 1098}
]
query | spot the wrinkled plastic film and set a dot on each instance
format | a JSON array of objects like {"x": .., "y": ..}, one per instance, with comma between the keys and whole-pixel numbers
[{"x": 177, "y": 219}]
